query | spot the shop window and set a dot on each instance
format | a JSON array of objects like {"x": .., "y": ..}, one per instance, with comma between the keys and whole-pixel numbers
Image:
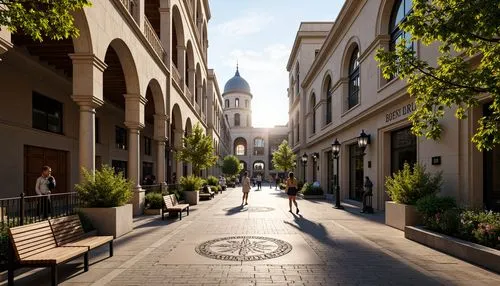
[
  {"x": 147, "y": 146},
  {"x": 120, "y": 167},
  {"x": 121, "y": 138},
  {"x": 47, "y": 113},
  {"x": 353, "y": 94}
]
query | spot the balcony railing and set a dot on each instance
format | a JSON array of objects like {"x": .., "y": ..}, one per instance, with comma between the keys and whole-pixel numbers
[
  {"x": 176, "y": 75},
  {"x": 198, "y": 108},
  {"x": 129, "y": 5},
  {"x": 188, "y": 94},
  {"x": 153, "y": 39}
]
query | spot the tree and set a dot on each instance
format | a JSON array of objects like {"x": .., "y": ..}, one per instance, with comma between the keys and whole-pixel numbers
[
  {"x": 284, "y": 158},
  {"x": 198, "y": 150},
  {"x": 41, "y": 19},
  {"x": 231, "y": 165},
  {"x": 467, "y": 69}
]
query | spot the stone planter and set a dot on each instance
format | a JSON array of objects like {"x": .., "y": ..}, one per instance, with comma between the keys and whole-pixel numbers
[
  {"x": 400, "y": 215},
  {"x": 192, "y": 197},
  {"x": 115, "y": 221},
  {"x": 313, "y": 197},
  {"x": 152, "y": 211},
  {"x": 468, "y": 251}
]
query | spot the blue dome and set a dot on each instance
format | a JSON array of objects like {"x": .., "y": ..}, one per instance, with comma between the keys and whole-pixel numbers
[{"x": 237, "y": 84}]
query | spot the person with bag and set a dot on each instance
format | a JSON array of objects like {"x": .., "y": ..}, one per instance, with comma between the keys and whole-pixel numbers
[
  {"x": 291, "y": 191},
  {"x": 44, "y": 185},
  {"x": 246, "y": 188}
]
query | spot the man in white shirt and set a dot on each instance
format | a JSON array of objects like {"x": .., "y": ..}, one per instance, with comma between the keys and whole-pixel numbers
[
  {"x": 259, "y": 182},
  {"x": 43, "y": 185}
]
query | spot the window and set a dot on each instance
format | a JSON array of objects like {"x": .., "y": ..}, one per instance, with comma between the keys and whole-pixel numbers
[
  {"x": 237, "y": 119},
  {"x": 258, "y": 166},
  {"x": 258, "y": 146},
  {"x": 121, "y": 138},
  {"x": 119, "y": 167},
  {"x": 298, "y": 129},
  {"x": 147, "y": 146},
  {"x": 297, "y": 81},
  {"x": 226, "y": 102},
  {"x": 329, "y": 92},
  {"x": 313, "y": 113},
  {"x": 401, "y": 9},
  {"x": 240, "y": 150},
  {"x": 353, "y": 94},
  {"x": 97, "y": 130},
  {"x": 47, "y": 113},
  {"x": 237, "y": 102}
]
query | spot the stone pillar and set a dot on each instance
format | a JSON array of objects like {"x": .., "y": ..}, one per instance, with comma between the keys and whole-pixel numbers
[
  {"x": 192, "y": 83},
  {"x": 181, "y": 60},
  {"x": 178, "y": 145},
  {"x": 160, "y": 136},
  {"x": 199, "y": 94},
  {"x": 139, "y": 13},
  {"x": 165, "y": 29},
  {"x": 87, "y": 93}
]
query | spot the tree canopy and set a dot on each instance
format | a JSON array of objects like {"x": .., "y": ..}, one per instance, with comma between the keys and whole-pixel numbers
[
  {"x": 41, "y": 19},
  {"x": 467, "y": 69},
  {"x": 231, "y": 165},
  {"x": 284, "y": 158},
  {"x": 197, "y": 150}
]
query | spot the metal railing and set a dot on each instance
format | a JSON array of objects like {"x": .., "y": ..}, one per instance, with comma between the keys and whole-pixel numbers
[
  {"x": 198, "y": 108},
  {"x": 30, "y": 209},
  {"x": 188, "y": 93},
  {"x": 153, "y": 39}
]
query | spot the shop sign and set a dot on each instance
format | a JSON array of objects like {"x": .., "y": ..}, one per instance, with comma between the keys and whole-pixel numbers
[{"x": 404, "y": 110}]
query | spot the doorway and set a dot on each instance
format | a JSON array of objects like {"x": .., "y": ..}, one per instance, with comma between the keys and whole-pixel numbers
[
  {"x": 403, "y": 149},
  {"x": 37, "y": 157},
  {"x": 356, "y": 172},
  {"x": 491, "y": 161}
]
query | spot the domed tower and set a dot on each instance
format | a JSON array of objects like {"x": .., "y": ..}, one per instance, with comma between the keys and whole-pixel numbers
[{"x": 238, "y": 102}]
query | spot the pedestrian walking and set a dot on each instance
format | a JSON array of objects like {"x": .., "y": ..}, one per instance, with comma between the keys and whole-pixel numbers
[
  {"x": 246, "y": 188},
  {"x": 259, "y": 182},
  {"x": 44, "y": 185},
  {"x": 291, "y": 191}
]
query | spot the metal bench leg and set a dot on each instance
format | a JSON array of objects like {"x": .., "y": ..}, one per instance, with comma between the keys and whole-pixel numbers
[
  {"x": 162, "y": 214},
  {"x": 86, "y": 262},
  {"x": 111, "y": 249},
  {"x": 180, "y": 215},
  {"x": 53, "y": 270},
  {"x": 188, "y": 211}
]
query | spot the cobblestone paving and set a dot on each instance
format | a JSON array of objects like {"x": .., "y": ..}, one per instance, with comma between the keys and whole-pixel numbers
[{"x": 342, "y": 248}]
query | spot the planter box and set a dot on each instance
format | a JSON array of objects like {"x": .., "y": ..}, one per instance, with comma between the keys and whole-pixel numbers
[
  {"x": 192, "y": 197},
  {"x": 152, "y": 211},
  {"x": 115, "y": 221},
  {"x": 313, "y": 197},
  {"x": 468, "y": 251},
  {"x": 400, "y": 215}
]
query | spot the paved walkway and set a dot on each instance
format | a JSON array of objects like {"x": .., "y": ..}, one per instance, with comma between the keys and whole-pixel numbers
[{"x": 321, "y": 246}]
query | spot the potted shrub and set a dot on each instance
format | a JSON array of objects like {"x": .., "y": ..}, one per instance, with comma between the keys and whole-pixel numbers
[
  {"x": 310, "y": 191},
  {"x": 190, "y": 187},
  {"x": 405, "y": 188},
  {"x": 212, "y": 181},
  {"x": 154, "y": 204},
  {"x": 105, "y": 197}
]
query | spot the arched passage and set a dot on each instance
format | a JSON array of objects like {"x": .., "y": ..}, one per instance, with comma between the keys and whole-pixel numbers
[
  {"x": 177, "y": 39},
  {"x": 259, "y": 166}
]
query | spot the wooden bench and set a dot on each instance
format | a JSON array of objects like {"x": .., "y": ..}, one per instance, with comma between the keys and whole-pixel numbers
[
  {"x": 68, "y": 232},
  {"x": 171, "y": 205},
  {"x": 207, "y": 194},
  {"x": 34, "y": 245}
]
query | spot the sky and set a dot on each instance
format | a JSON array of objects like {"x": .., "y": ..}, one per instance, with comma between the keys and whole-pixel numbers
[{"x": 259, "y": 35}]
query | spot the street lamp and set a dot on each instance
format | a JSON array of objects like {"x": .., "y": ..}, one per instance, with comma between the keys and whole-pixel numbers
[
  {"x": 336, "y": 153},
  {"x": 363, "y": 141},
  {"x": 304, "y": 163}
]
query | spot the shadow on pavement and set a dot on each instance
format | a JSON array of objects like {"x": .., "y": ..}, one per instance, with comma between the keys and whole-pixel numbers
[
  {"x": 316, "y": 230},
  {"x": 236, "y": 210}
]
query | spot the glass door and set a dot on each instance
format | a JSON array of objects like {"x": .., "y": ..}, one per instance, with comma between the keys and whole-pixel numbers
[{"x": 355, "y": 172}]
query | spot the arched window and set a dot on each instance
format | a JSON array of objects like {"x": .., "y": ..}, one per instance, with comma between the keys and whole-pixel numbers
[
  {"x": 240, "y": 146},
  {"x": 353, "y": 95},
  {"x": 237, "y": 119},
  {"x": 237, "y": 102},
  {"x": 297, "y": 81},
  {"x": 258, "y": 166},
  {"x": 313, "y": 113},
  {"x": 226, "y": 102},
  {"x": 400, "y": 10},
  {"x": 328, "y": 90}
]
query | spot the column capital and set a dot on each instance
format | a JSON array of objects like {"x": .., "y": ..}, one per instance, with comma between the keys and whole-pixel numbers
[
  {"x": 134, "y": 126},
  {"x": 85, "y": 58},
  {"x": 135, "y": 98},
  {"x": 164, "y": 10},
  {"x": 161, "y": 140},
  {"x": 181, "y": 47},
  {"x": 161, "y": 117},
  {"x": 87, "y": 101}
]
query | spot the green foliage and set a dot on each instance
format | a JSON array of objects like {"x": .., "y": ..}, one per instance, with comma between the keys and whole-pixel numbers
[
  {"x": 231, "y": 165},
  {"x": 435, "y": 212},
  {"x": 190, "y": 183},
  {"x": 482, "y": 227},
  {"x": 284, "y": 159},
  {"x": 311, "y": 190},
  {"x": 214, "y": 189},
  {"x": 41, "y": 19},
  {"x": 197, "y": 150},
  {"x": 154, "y": 201},
  {"x": 104, "y": 188},
  {"x": 460, "y": 27},
  {"x": 409, "y": 185},
  {"x": 4, "y": 247},
  {"x": 212, "y": 181},
  {"x": 219, "y": 188}
]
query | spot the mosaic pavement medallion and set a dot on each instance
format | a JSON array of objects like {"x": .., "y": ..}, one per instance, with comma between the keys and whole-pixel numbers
[
  {"x": 249, "y": 209},
  {"x": 244, "y": 248}
]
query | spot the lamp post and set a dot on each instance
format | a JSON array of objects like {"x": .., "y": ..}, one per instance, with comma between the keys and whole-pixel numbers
[
  {"x": 304, "y": 163},
  {"x": 336, "y": 153}
]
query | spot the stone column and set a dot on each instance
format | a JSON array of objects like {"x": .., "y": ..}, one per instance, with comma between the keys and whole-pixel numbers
[
  {"x": 139, "y": 13},
  {"x": 178, "y": 145},
  {"x": 181, "y": 60},
  {"x": 165, "y": 29},
  {"x": 192, "y": 83},
  {"x": 160, "y": 136}
]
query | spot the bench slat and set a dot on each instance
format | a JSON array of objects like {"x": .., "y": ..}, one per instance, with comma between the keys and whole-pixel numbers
[
  {"x": 29, "y": 227},
  {"x": 90, "y": 242},
  {"x": 55, "y": 255}
]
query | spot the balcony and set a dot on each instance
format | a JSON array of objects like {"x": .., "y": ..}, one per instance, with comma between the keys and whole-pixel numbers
[
  {"x": 129, "y": 5},
  {"x": 187, "y": 93},
  {"x": 176, "y": 76},
  {"x": 153, "y": 39},
  {"x": 198, "y": 108}
]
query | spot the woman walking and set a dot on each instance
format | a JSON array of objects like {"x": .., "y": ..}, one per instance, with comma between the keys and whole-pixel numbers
[
  {"x": 291, "y": 190},
  {"x": 246, "y": 188}
]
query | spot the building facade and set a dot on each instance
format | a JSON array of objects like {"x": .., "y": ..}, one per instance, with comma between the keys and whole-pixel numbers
[
  {"x": 123, "y": 93},
  {"x": 343, "y": 94},
  {"x": 253, "y": 146}
]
